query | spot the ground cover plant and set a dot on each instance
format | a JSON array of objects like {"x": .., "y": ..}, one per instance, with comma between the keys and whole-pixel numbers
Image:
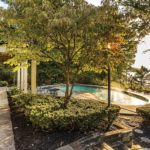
[
  {"x": 144, "y": 111},
  {"x": 137, "y": 96},
  {"x": 3, "y": 83}
]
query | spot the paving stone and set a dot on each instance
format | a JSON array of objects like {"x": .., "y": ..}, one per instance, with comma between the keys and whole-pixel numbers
[
  {"x": 6, "y": 133},
  {"x": 136, "y": 147},
  {"x": 4, "y": 116},
  {"x": 138, "y": 131},
  {"x": 146, "y": 140},
  {"x": 68, "y": 147}
]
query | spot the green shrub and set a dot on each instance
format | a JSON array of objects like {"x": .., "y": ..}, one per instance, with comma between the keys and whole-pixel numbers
[
  {"x": 146, "y": 90},
  {"x": 14, "y": 91},
  {"x": 22, "y": 100},
  {"x": 46, "y": 112},
  {"x": 3, "y": 83},
  {"x": 144, "y": 111},
  {"x": 137, "y": 96}
]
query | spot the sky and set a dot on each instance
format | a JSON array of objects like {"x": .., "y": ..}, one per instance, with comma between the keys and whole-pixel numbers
[
  {"x": 142, "y": 59},
  {"x": 3, "y": 4}
]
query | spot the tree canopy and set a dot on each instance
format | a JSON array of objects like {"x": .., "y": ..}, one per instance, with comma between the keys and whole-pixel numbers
[
  {"x": 75, "y": 35},
  {"x": 139, "y": 12}
]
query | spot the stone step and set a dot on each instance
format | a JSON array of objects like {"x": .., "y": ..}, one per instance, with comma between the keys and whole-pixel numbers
[
  {"x": 106, "y": 147},
  {"x": 136, "y": 147}
]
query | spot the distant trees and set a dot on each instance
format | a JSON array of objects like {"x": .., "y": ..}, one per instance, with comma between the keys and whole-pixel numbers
[
  {"x": 49, "y": 73},
  {"x": 141, "y": 75},
  {"x": 138, "y": 78},
  {"x": 139, "y": 12},
  {"x": 6, "y": 74}
]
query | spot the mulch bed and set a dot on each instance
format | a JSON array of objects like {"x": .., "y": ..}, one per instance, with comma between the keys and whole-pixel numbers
[
  {"x": 142, "y": 137},
  {"x": 28, "y": 137}
]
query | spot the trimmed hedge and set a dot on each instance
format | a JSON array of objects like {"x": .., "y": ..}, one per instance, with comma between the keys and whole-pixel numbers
[
  {"x": 14, "y": 91},
  {"x": 46, "y": 112},
  {"x": 3, "y": 83},
  {"x": 144, "y": 111},
  {"x": 137, "y": 96}
]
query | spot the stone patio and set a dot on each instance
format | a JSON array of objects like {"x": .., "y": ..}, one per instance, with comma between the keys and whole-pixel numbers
[{"x": 6, "y": 133}]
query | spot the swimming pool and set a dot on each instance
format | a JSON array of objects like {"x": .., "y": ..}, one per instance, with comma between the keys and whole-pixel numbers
[{"x": 117, "y": 97}]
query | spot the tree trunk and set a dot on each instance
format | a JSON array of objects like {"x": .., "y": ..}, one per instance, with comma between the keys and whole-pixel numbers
[
  {"x": 109, "y": 86},
  {"x": 67, "y": 90},
  {"x": 71, "y": 90},
  {"x": 131, "y": 82},
  {"x": 141, "y": 82}
]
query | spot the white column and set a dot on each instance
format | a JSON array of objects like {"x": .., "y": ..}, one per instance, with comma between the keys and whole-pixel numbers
[
  {"x": 33, "y": 77},
  {"x": 25, "y": 78},
  {"x": 18, "y": 79},
  {"x": 22, "y": 77}
]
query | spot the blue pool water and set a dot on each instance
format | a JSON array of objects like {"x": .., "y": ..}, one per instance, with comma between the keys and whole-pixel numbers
[
  {"x": 117, "y": 97},
  {"x": 81, "y": 89}
]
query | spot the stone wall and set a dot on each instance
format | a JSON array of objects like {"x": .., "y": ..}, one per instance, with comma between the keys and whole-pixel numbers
[{"x": 92, "y": 141}]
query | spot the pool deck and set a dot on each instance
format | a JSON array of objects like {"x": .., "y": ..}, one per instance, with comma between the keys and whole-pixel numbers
[{"x": 130, "y": 109}]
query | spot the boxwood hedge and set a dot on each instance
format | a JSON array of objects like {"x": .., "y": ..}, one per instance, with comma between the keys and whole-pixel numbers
[
  {"x": 47, "y": 112},
  {"x": 3, "y": 83},
  {"x": 144, "y": 111}
]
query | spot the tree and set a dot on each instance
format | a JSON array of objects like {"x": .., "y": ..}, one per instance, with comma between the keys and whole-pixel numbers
[
  {"x": 72, "y": 38},
  {"x": 2, "y": 26},
  {"x": 72, "y": 34},
  {"x": 81, "y": 43},
  {"x": 141, "y": 74},
  {"x": 28, "y": 29},
  {"x": 62, "y": 29},
  {"x": 139, "y": 12}
]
